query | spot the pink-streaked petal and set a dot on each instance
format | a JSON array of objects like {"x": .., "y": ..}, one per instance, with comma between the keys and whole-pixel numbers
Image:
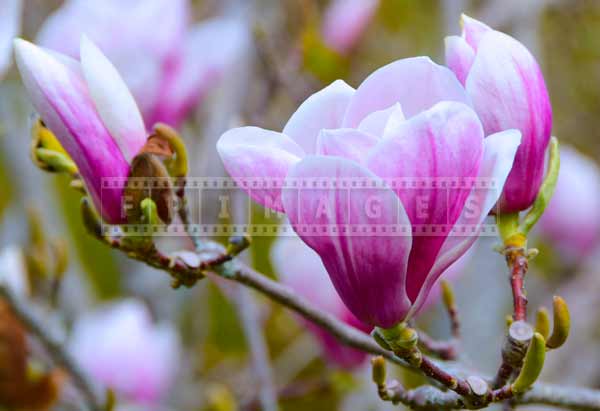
[
  {"x": 324, "y": 109},
  {"x": 202, "y": 63},
  {"x": 498, "y": 156},
  {"x": 255, "y": 153},
  {"x": 112, "y": 99},
  {"x": 459, "y": 57},
  {"x": 59, "y": 94},
  {"x": 367, "y": 267},
  {"x": 349, "y": 143},
  {"x": 345, "y": 21},
  {"x": 443, "y": 143},
  {"x": 376, "y": 122},
  {"x": 416, "y": 83},
  {"x": 473, "y": 30},
  {"x": 10, "y": 25},
  {"x": 508, "y": 91}
]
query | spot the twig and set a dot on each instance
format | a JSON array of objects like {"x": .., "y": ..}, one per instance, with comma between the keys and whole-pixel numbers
[
  {"x": 236, "y": 271},
  {"x": 54, "y": 347},
  {"x": 517, "y": 262},
  {"x": 247, "y": 312},
  {"x": 445, "y": 350}
]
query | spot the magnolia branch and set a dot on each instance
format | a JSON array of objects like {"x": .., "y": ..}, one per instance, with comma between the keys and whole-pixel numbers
[
  {"x": 54, "y": 347},
  {"x": 463, "y": 393}
]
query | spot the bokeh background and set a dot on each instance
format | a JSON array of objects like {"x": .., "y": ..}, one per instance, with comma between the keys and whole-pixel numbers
[{"x": 286, "y": 60}]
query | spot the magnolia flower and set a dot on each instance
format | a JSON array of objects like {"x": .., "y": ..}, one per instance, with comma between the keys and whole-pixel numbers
[
  {"x": 344, "y": 135},
  {"x": 120, "y": 347},
  {"x": 90, "y": 110},
  {"x": 10, "y": 25},
  {"x": 300, "y": 268},
  {"x": 507, "y": 89},
  {"x": 345, "y": 21},
  {"x": 571, "y": 220},
  {"x": 168, "y": 64}
]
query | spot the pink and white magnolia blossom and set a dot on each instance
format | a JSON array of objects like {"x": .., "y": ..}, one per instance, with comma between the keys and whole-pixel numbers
[
  {"x": 121, "y": 348},
  {"x": 408, "y": 120},
  {"x": 90, "y": 110},
  {"x": 507, "y": 89},
  {"x": 168, "y": 64},
  {"x": 571, "y": 221},
  {"x": 300, "y": 268},
  {"x": 10, "y": 26},
  {"x": 345, "y": 21}
]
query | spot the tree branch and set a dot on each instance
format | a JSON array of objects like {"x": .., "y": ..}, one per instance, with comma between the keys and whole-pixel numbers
[{"x": 54, "y": 347}]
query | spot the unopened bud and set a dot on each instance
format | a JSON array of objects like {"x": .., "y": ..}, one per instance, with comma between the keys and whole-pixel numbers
[
  {"x": 378, "y": 370},
  {"x": 237, "y": 244},
  {"x": 562, "y": 324},
  {"x": 532, "y": 365},
  {"x": 542, "y": 322}
]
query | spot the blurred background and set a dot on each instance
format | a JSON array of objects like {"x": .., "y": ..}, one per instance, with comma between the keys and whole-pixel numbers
[{"x": 229, "y": 348}]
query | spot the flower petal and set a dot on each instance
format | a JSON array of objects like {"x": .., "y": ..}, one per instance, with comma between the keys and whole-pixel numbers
[
  {"x": 473, "y": 30},
  {"x": 416, "y": 83},
  {"x": 365, "y": 267},
  {"x": 324, "y": 109},
  {"x": 10, "y": 25},
  {"x": 200, "y": 66},
  {"x": 112, "y": 99},
  {"x": 442, "y": 144},
  {"x": 349, "y": 143},
  {"x": 376, "y": 122},
  {"x": 345, "y": 21},
  {"x": 255, "y": 153},
  {"x": 459, "y": 57},
  {"x": 59, "y": 94},
  {"x": 498, "y": 156},
  {"x": 508, "y": 91}
]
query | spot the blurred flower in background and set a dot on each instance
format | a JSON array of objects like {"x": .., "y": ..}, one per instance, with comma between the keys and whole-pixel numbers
[
  {"x": 10, "y": 24},
  {"x": 121, "y": 347},
  {"x": 571, "y": 222},
  {"x": 507, "y": 90},
  {"x": 168, "y": 64},
  {"x": 345, "y": 21},
  {"x": 300, "y": 268}
]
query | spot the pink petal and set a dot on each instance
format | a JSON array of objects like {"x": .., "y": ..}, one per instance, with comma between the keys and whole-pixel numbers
[
  {"x": 445, "y": 142},
  {"x": 416, "y": 83},
  {"x": 10, "y": 26},
  {"x": 113, "y": 101},
  {"x": 498, "y": 156},
  {"x": 199, "y": 67},
  {"x": 459, "y": 57},
  {"x": 345, "y": 21},
  {"x": 346, "y": 142},
  {"x": 324, "y": 109},
  {"x": 264, "y": 156},
  {"x": 60, "y": 95},
  {"x": 473, "y": 30},
  {"x": 376, "y": 122},
  {"x": 508, "y": 91},
  {"x": 571, "y": 222},
  {"x": 365, "y": 267}
]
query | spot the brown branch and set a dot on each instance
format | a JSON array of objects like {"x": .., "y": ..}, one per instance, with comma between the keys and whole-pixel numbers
[
  {"x": 518, "y": 265},
  {"x": 54, "y": 347},
  {"x": 423, "y": 398},
  {"x": 445, "y": 350}
]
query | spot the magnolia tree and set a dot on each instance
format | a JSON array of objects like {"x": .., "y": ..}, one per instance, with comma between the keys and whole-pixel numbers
[{"x": 378, "y": 194}]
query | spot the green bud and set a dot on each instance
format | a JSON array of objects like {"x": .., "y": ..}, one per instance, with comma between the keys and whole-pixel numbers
[
  {"x": 448, "y": 294},
  {"x": 542, "y": 322},
  {"x": 54, "y": 161},
  {"x": 378, "y": 370},
  {"x": 562, "y": 324},
  {"x": 532, "y": 364},
  {"x": 399, "y": 338},
  {"x": 237, "y": 244},
  {"x": 546, "y": 189}
]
